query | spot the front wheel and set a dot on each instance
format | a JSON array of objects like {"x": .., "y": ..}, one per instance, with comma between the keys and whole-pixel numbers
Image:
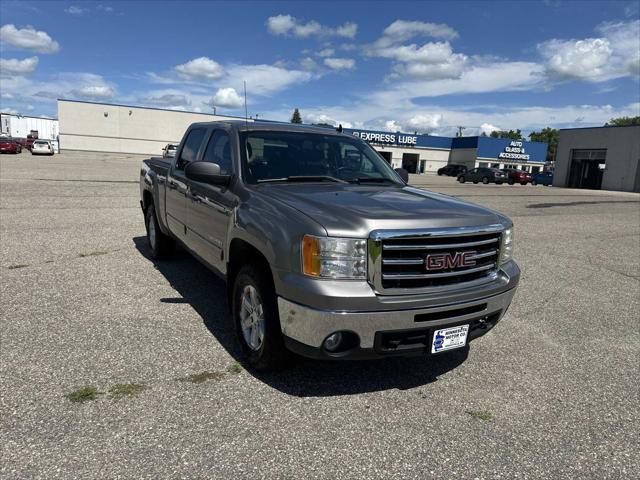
[
  {"x": 257, "y": 323},
  {"x": 160, "y": 244},
  {"x": 523, "y": 183},
  {"x": 534, "y": 183},
  {"x": 485, "y": 180},
  {"x": 462, "y": 179},
  {"x": 511, "y": 181}
]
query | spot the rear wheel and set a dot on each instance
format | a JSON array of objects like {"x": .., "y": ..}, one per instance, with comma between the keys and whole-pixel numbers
[
  {"x": 523, "y": 183},
  {"x": 534, "y": 183},
  {"x": 462, "y": 179},
  {"x": 485, "y": 180},
  {"x": 257, "y": 323},
  {"x": 160, "y": 244},
  {"x": 511, "y": 181}
]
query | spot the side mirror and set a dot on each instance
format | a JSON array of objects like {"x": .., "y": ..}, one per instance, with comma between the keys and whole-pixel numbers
[
  {"x": 206, "y": 172},
  {"x": 403, "y": 174}
]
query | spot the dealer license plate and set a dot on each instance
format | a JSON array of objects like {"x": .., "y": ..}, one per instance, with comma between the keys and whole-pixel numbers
[{"x": 449, "y": 338}]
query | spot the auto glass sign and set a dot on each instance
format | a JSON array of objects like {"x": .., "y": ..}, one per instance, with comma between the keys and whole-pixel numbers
[
  {"x": 376, "y": 137},
  {"x": 514, "y": 151}
]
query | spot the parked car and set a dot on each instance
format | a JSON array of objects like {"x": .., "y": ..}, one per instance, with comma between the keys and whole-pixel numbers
[
  {"x": 484, "y": 175},
  {"x": 515, "y": 175},
  {"x": 324, "y": 249},
  {"x": 41, "y": 147},
  {"x": 9, "y": 145},
  {"x": 542, "y": 178},
  {"x": 452, "y": 170},
  {"x": 169, "y": 151}
]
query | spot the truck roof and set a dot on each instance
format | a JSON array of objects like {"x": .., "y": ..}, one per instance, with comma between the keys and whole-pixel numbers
[{"x": 244, "y": 126}]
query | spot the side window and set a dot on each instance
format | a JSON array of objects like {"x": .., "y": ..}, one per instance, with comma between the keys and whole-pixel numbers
[
  {"x": 190, "y": 149},
  {"x": 219, "y": 151}
]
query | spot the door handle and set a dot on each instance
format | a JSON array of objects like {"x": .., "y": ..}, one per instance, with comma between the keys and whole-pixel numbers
[{"x": 195, "y": 198}]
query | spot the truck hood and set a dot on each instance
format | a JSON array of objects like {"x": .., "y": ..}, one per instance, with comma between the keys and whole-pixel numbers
[{"x": 356, "y": 210}]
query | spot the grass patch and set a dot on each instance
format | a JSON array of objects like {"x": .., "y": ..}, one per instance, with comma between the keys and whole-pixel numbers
[
  {"x": 480, "y": 415},
  {"x": 125, "y": 389},
  {"x": 235, "y": 367},
  {"x": 18, "y": 265},
  {"x": 92, "y": 254},
  {"x": 84, "y": 394},
  {"x": 202, "y": 377}
]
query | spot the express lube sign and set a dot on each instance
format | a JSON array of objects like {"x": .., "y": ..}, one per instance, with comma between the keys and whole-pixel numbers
[
  {"x": 381, "y": 137},
  {"x": 514, "y": 151}
]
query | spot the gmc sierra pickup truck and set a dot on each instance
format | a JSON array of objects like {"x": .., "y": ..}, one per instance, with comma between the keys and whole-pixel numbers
[{"x": 325, "y": 249}]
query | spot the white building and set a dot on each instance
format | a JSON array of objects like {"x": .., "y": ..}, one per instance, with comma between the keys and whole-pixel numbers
[{"x": 19, "y": 126}]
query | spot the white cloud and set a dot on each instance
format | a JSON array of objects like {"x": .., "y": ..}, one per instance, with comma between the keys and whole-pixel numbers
[
  {"x": 322, "y": 118},
  {"x": 28, "y": 38},
  {"x": 94, "y": 92},
  {"x": 577, "y": 58},
  {"x": 432, "y": 60},
  {"x": 327, "y": 52},
  {"x": 288, "y": 25},
  {"x": 487, "y": 128},
  {"x": 403, "y": 30},
  {"x": 615, "y": 54},
  {"x": 264, "y": 79},
  {"x": 200, "y": 68},
  {"x": 105, "y": 8},
  {"x": 340, "y": 63},
  {"x": 227, "y": 97},
  {"x": 161, "y": 99},
  {"x": 74, "y": 10},
  {"x": 308, "y": 63},
  {"x": 13, "y": 66}
]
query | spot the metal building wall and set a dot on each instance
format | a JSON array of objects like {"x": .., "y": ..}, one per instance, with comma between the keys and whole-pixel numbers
[
  {"x": 622, "y": 161},
  {"x": 123, "y": 129}
]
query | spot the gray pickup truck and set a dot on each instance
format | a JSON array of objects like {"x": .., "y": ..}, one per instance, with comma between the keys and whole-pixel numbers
[{"x": 325, "y": 249}]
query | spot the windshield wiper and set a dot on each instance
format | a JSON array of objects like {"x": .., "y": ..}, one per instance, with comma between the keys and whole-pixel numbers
[
  {"x": 302, "y": 178},
  {"x": 372, "y": 179}
]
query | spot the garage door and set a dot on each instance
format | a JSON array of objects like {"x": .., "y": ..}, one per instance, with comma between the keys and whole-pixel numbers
[{"x": 587, "y": 167}]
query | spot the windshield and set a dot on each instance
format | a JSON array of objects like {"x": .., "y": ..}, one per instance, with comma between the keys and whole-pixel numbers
[{"x": 300, "y": 156}]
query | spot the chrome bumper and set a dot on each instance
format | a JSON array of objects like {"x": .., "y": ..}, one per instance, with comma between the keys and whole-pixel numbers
[{"x": 310, "y": 326}]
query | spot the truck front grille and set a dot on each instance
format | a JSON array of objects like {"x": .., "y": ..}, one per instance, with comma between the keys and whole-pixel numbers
[{"x": 432, "y": 259}]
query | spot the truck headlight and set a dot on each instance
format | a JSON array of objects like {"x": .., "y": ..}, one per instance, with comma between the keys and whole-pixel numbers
[
  {"x": 329, "y": 257},
  {"x": 506, "y": 246}
]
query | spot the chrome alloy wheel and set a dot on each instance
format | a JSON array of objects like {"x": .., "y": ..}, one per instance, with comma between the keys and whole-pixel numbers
[{"x": 252, "y": 318}]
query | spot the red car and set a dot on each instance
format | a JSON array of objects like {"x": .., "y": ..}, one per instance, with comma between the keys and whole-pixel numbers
[
  {"x": 517, "y": 176},
  {"x": 9, "y": 145}
]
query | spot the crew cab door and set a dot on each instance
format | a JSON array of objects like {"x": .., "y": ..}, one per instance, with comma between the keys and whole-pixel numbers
[
  {"x": 177, "y": 210},
  {"x": 210, "y": 206}
]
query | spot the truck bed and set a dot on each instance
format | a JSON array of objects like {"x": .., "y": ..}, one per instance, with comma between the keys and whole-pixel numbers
[{"x": 159, "y": 164}]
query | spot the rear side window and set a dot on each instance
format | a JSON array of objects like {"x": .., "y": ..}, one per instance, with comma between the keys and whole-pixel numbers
[
  {"x": 190, "y": 149},
  {"x": 219, "y": 151}
]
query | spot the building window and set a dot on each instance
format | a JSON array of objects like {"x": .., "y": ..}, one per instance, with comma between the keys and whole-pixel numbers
[{"x": 483, "y": 164}]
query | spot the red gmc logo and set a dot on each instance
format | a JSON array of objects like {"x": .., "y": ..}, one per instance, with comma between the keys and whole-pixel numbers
[{"x": 445, "y": 261}]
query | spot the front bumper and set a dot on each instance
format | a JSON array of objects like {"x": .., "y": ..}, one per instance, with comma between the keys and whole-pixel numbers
[{"x": 386, "y": 333}]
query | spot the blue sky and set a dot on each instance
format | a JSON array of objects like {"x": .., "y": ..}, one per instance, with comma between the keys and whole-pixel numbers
[{"x": 411, "y": 66}]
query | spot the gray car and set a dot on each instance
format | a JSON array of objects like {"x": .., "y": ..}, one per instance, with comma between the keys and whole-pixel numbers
[
  {"x": 484, "y": 175},
  {"x": 325, "y": 250}
]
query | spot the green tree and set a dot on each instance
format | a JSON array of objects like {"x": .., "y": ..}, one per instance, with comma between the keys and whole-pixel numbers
[
  {"x": 296, "y": 118},
  {"x": 325, "y": 125},
  {"x": 623, "y": 122},
  {"x": 550, "y": 137},
  {"x": 512, "y": 134}
]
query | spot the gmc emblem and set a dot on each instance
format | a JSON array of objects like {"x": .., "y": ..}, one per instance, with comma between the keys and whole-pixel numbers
[{"x": 445, "y": 261}]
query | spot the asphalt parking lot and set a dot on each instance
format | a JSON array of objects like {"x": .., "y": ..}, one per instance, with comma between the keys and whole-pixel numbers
[{"x": 551, "y": 392}]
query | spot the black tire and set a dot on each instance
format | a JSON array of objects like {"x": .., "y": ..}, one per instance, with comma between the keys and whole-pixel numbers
[
  {"x": 475, "y": 182},
  {"x": 523, "y": 183},
  {"x": 462, "y": 179},
  {"x": 485, "y": 180},
  {"x": 534, "y": 183},
  {"x": 161, "y": 245},
  {"x": 511, "y": 181},
  {"x": 271, "y": 354}
]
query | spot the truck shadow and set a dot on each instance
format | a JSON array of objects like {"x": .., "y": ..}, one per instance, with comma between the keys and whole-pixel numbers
[{"x": 206, "y": 293}]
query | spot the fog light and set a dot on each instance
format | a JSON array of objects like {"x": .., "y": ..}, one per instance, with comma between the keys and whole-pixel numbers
[{"x": 333, "y": 341}]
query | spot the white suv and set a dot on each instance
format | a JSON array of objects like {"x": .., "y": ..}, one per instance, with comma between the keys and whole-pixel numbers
[{"x": 42, "y": 147}]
